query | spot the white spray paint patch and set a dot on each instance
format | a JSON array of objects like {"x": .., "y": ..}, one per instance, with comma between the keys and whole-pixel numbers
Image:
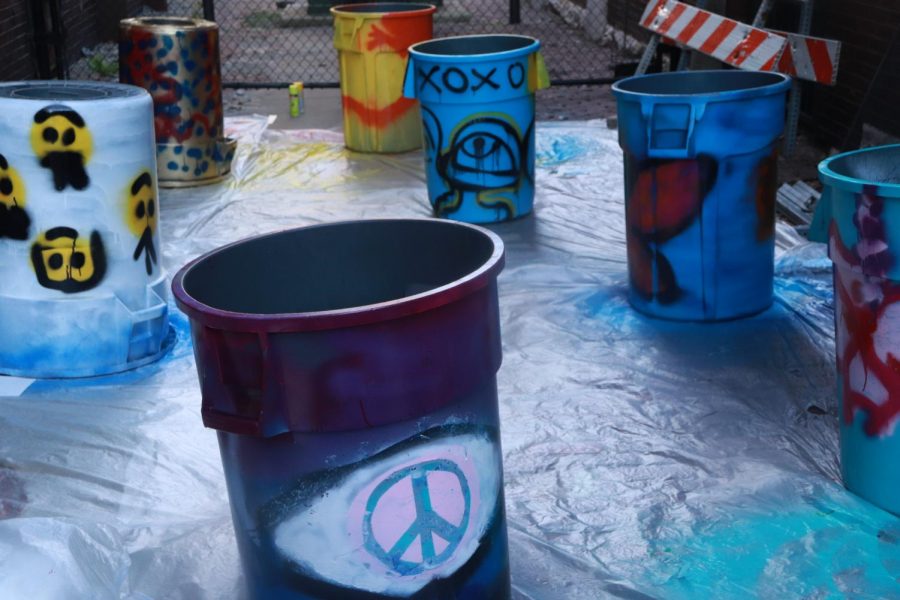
[{"x": 399, "y": 523}]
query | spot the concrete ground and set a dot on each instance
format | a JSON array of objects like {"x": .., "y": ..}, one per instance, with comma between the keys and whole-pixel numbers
[
  {"x": 323, "y": 106},
  {"x": 562, "y": 103}
]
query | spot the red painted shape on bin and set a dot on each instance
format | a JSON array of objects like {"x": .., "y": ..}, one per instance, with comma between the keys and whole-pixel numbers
[{"x": 865, "y": 297}]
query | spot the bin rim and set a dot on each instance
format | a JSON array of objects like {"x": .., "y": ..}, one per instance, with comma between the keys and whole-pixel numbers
[
  {"x": 421, "y": 9},
  {"x": 776, "y": 87},
  {"x": 848, "y": 183},
  {"x": 345, "y": 317},
  {"x": 70, "y": 91},
  {"x": 167, "y": 24},
  {"x": 533, "y": 46}
]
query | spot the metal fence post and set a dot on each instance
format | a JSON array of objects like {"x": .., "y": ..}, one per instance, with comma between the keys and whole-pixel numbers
[
  {"x": 515, "y": 12},
  {"x": 209, "y": 10}
]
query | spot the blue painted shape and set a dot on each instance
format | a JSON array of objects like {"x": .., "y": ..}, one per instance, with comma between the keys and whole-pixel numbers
[
  {"x": 178, "y": 149},
  {"x": 427, "y": 522},
  {"x": 172, "y": 165},
  {"x": 700, "y": 181},
  {"x": 828, "y": 546},
  {"x": 478, "y": 117},
  {"x": 118, "y": 340},
  {"x": 195, "y": 153}
]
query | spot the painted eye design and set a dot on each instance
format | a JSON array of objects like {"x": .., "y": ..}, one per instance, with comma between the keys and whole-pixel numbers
[
  {"x": 397, "y": 522},
  {"x": 485, "y": 152}
]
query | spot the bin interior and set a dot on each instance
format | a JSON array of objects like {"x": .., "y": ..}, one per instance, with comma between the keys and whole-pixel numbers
[
  {"x": 881, "y": 165},
  {"x": 382, "y": 7},
  {"x": 337, "y": 266},
  {"x": 698, "y": 82},
  {"x": 474, "y": 44}
]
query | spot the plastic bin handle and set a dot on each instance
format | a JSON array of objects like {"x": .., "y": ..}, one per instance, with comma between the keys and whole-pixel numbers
[
  {"x": 538, "y": 77},
  {"x": 821, "y": 221},
  {"x": 345, "y": 33},
  {"x": 409, "y": 78},
  {"x": 670, "y": 128}
]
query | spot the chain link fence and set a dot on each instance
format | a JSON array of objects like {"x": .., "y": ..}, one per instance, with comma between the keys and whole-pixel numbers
[{"x": 268, "y": 43}]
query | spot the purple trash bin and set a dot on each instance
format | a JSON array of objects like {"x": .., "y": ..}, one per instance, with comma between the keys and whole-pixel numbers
[{"x": 350, "y": 370}]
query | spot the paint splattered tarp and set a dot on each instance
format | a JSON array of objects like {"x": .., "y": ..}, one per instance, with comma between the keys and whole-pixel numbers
[{"x": 643, "y": 459}]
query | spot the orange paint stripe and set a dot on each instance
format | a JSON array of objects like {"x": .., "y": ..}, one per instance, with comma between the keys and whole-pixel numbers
[
  {"x": 378, "y": 118},
  {"x": 747, "y": 46},
  {"x": 821, "y": 60},
  {"x": 720, "y": 33},
  {"x": 693, "y": 27},
  {"x": 670, "y": 20},
  {"x": 652, "y": 14}
]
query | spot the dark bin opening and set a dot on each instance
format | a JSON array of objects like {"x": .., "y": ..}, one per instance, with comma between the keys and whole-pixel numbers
[
  {"x": 337, "y": 266},
  {"x": 386, "y": 7},
  {"x": 878, "y": 165},
  {"x": 698, "y": 82},
  {"x": 63, "y": 91},
  {"x": 475, "y": 44},
  {"x": 168, "y": 21}
]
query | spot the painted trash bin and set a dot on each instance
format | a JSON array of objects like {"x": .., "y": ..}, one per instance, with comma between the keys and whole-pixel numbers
[
  {"x": 355, "y": 400},
  {"x": 859, "y": 217},
  {"x": 477, "y": 97},
  {"x": 372, "y": 41},
  {"x": 700, "y": 151},
  {"x": 82, "y": 288},
  {"x": 176, "y": 59}
]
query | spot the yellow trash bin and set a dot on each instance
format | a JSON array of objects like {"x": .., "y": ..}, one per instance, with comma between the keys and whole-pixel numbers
[{"x": 372, "y": 42}]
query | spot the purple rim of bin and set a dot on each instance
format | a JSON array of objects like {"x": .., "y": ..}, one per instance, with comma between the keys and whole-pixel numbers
[
  {"x": 276, "y": 402},
  {"x": 347, "y": 317}
]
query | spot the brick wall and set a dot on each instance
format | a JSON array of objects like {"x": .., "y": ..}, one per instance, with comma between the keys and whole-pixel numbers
[
  {"x": 15, "y": 41},
  {"x": 865, "y": 28},
  {"x": 86, "y": 23}
]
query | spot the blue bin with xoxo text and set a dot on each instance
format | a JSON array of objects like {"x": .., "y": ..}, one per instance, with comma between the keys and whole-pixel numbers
[
  {"x": 477, "y": 100},
  {"x": 701, "y": 154}
]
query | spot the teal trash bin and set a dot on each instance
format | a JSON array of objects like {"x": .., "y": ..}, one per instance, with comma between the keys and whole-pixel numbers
[{"x": 859, "y": 216}]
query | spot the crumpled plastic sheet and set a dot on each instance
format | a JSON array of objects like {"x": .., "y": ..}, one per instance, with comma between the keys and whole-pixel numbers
[{"x": 643, "y": 458}]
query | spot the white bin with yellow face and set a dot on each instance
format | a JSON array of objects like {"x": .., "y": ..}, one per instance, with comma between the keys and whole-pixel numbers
[{"x": 82, "y": 289}]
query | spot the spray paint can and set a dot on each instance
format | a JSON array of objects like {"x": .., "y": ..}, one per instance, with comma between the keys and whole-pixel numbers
[{"x": 296, "y": 93}]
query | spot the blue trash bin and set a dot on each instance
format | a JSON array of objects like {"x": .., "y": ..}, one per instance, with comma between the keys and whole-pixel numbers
[
  {"x": 700, "y": 180},
  {"x": 859, "y": 216},
  {"x": 477, "y": 100}
]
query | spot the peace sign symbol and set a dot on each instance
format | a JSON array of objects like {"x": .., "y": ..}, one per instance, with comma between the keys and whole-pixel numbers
[{"x": 427, "y": 524}]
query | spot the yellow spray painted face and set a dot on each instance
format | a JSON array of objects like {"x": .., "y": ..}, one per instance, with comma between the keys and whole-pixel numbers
[
  {"x": 14, "y": 221},
  {"x": 141, "y": 205},
  {"x": 62, "y": 143},
  {"x": 12, "y": 190},
  {"x": 65, "y": 262},
  {"x": 142, "y": 217}
]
